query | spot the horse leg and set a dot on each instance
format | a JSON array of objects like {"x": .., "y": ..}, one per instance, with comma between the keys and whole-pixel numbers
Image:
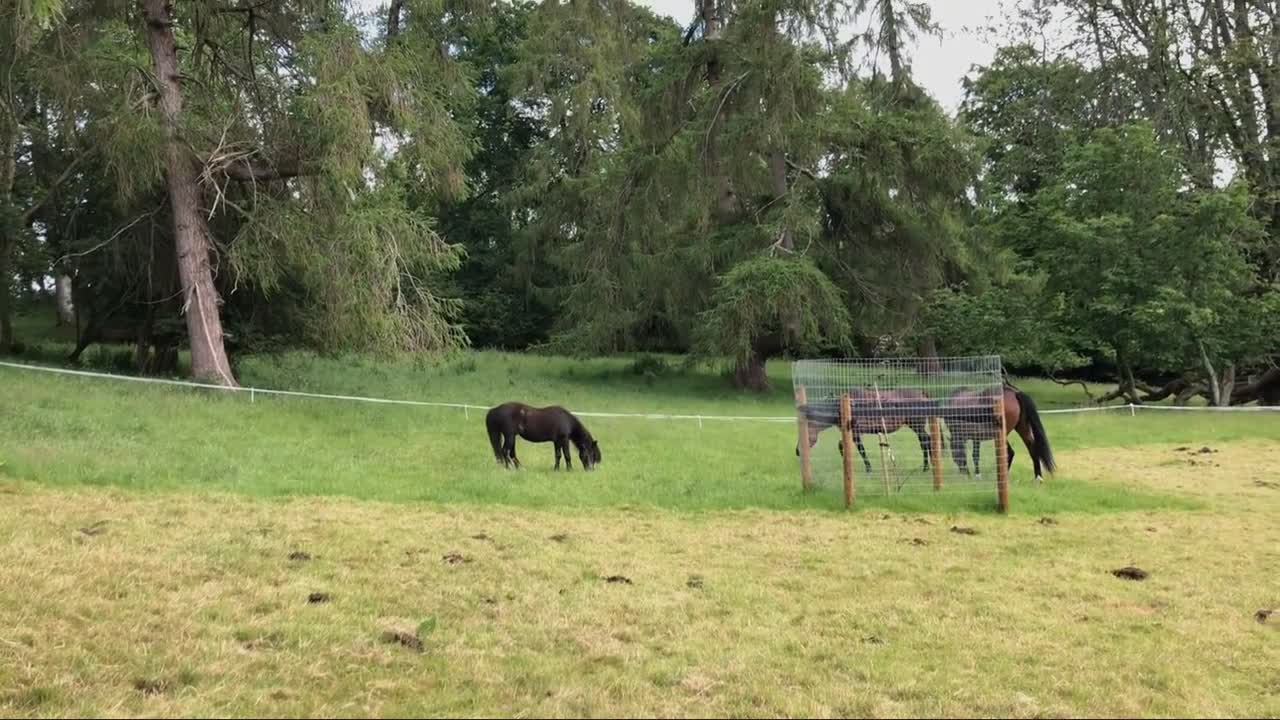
[
  {"x": 557, "y": 444},
  {"x": 857, "y": 438},
  {"x": 926, "y": 442},
  {"x": 1009, "y": 449},
  {"x": 957, "y": 452},
  {"x": 977, "y": 453},
  {"x": 499, "y": 451},
  {"x": 509, "y": 444},
  {"x": 564, "y": 444}
]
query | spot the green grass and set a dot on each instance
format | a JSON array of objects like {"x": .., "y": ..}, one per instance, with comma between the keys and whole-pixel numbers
[
  {"x": 74, "y": 431},
  {"x": 146, "y": 571}
]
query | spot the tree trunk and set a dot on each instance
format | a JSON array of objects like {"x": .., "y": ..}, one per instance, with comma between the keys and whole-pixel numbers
[
  {"x": 8, "y": 225},
  {"x": 62, "y": 290},
  {"x": 890, "y": 38},
  {"x": 750, "y": 373},
  {"x": 726, "y": 203},
  {"x": 191, "y": 235},
  {"x": 6, "y": 296},
  {"x": 393, "y": 20},
  {"x": 1214, "y": 387},
  {"x": 929, "y": 351},
  {"x": 1222, "y": 396}
]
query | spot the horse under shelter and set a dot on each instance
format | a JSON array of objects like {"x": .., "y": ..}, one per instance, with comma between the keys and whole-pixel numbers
[{"x": 904, "y": 425}]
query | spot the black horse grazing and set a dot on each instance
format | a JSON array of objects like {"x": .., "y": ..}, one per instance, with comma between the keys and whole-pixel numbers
[
  {"x": 875, "y": 412},
  {"x": 966, "y": 416},
  {"x": 549, "y": 424}
]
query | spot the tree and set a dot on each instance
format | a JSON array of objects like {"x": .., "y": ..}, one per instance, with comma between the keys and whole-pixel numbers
[
  {"x": 285, "y": 144},
  {"x": 1148, "y": 270},
  {"x": 728, "y": 166},
  {"x": 505, "y": 279},
  {"x": 1209, "y": 76},
  {"x": 191, "y": 234},
  {"x": 22, "y": 25}
]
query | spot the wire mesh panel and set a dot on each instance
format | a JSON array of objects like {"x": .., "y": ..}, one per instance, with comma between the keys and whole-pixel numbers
[{"x": 913, "y": 424}]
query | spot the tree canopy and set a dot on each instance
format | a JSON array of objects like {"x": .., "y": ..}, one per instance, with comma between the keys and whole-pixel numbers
[{"x": 589, "y": 177}]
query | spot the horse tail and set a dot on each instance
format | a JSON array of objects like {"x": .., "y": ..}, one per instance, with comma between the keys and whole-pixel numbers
[{"x": 1041, "y": 449}]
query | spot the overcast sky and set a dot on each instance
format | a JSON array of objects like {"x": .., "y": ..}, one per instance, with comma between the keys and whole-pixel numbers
[{"x": 938, "y": 63}]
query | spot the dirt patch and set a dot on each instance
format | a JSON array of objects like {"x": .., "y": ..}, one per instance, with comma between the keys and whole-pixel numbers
[
  {"x": 618, "y": 580},
  {"x": 559, "y": 537},
  {"x": 479, "y": 536},
  {"x": 918, "y": 542},
  {"x": 694, "y": 582},
  {"x": 95, "y": 529},
  {"x": 963, "y": 530},
  {"x": 404, "y": 638},
  {"x": 1263, "y": 615},
  {"x": 1130, "y": 573},
  {"x": 1266, "y": 484},
  {"x": 151, "y": 686},
  {"x": 1048, "y": 521},
  {"x": 299, "y": 556},
  {"x": 318, "y": 598},
  {"x": 874, "y": 640},
  {"x": 455, "y": 558},
  {"x": 1206, "y": 451}
]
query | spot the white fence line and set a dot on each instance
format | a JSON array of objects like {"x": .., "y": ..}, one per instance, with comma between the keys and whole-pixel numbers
[{"x": 466, "y": 407}]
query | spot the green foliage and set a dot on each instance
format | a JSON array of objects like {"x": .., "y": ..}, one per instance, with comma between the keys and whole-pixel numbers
[
  {"x": 767, "y": 299},
  {"x": 361, "y": 273},
  {"x": 1145, "y": 268},
  {"x": 1018, "y": 321},
  {"x": 894, "y": 204}
]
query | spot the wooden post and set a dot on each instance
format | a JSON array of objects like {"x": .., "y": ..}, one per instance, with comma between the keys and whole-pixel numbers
[
  {"x": 846, "y": 440},
  {"x": 1002, "y": 460},
  {"x": 806, "y": 468},
  {"x": 935, "y": 451}
]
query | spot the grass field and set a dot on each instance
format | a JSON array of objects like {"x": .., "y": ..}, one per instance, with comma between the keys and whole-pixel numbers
[{"x": 161, "y": 548}]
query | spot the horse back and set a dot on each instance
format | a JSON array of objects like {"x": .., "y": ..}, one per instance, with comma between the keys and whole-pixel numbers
[{"x": 507, "y": 415}]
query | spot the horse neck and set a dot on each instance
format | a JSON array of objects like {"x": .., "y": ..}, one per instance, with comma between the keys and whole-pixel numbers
[{"x": 578, "y": 433}]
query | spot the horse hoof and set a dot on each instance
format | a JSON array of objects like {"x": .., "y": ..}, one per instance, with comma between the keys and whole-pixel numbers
[{"x": 1039, "y": 480}]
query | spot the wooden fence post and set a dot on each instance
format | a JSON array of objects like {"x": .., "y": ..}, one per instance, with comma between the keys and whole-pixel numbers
[
  {"x": 1002, "y": 460},
  {"x": 846, "y": 441},
  {"x": 935, "y": 451},
  {"x": 806, "y": 468}
]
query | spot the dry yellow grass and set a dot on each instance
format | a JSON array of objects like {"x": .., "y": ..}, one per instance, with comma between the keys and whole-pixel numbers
[{"x": 191, "y": 606}]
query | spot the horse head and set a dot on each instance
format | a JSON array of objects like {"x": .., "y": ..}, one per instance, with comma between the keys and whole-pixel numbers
[{"x": 589, "y": 453}]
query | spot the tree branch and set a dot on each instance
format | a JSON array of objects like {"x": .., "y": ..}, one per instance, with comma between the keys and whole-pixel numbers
[
  {"x": 245, "y": 169},
  {"x": 802, "y": 170},
  {"x": 1068, "y": 383},
  {"x": 29, "y": 216}
]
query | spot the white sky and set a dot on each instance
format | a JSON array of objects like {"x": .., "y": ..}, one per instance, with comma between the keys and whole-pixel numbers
[{"x": 938, "y": 64}]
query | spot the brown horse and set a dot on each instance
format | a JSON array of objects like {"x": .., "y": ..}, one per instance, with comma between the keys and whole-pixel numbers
[
  {"x": 971, "y": 417},
  {"x": 549, "y": 424},
  {"x": 874, "y": 412}
]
